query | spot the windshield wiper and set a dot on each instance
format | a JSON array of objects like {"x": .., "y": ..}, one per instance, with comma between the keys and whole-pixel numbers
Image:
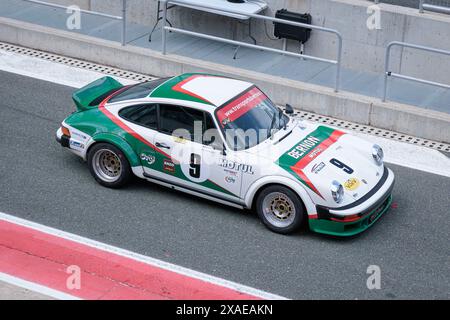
[
  {"x": 272, "y": 125},
  {"x": 280, "y": 115}
]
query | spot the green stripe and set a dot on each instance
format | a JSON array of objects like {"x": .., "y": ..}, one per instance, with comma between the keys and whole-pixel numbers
[
  {"x": 304, "y": 146},
  {"x": 166, "y": 89}
]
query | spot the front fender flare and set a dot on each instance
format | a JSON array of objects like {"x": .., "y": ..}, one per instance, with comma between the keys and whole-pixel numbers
[{"x": 292, "y": 184}]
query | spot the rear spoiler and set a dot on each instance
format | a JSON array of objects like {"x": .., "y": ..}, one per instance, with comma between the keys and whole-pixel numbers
[{"x": 91, "y": 95}]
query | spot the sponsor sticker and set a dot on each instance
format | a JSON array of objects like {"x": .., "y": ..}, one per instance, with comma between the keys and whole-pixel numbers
[
  {"x": 169, "y": 166},
  {"x": 352, "y": 184},
  {"x": 231, "y": 165},
  {"x": 179, "y": 140},
  {"x": 240, "y": 106},
  {"x": 317, "y": 167},
  {"x": 82, "y": 136},
  {"x": 76, "y": 144},
  {"x": 304, "y": 147},
  {"x": 229, "y": 179},
  {"x": 149, "y": 159}
]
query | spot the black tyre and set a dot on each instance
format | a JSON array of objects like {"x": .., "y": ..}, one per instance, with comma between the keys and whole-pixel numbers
[
  {"x": 280, "y": 209},
  {"x": 109, "y": 165}
]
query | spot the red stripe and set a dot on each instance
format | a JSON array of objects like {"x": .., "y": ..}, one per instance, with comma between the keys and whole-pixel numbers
[
  {"x": 43, "y": 258},
  {"x": 302, "y": 175},
  {"x": 126, "y": 128},
  {"x": 312, "y": 155},
  {"x": 179, "y": 87}
]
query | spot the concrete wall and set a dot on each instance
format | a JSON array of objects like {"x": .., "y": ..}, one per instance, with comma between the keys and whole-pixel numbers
[
  {"x": 83, "y": 4},
  {"x": 363, "y": 49}
]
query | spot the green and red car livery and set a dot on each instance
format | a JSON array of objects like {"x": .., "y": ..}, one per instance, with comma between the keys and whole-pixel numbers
[{"x": 294, "y": 172}]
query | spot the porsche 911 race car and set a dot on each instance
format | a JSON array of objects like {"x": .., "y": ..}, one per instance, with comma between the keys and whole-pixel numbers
[{"x": 224, "y": 140}]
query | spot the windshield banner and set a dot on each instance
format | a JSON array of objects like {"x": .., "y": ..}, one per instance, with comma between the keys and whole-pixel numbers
[{"x": 240, "y": 106}]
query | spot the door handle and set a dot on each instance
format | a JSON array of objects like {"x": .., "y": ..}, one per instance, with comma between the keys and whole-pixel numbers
[{"x": 162, "y": 145}]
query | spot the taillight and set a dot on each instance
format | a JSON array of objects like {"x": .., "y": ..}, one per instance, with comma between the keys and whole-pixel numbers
[
  {"x": 351, "y": 218},
  {"x": 65, "y": 131}
]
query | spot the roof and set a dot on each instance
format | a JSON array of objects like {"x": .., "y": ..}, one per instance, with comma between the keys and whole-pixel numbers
[{"x": 202, "y": 88}]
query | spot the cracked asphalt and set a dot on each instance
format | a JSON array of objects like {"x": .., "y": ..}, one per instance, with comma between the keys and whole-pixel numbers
[{"x": 44, "y": 183}]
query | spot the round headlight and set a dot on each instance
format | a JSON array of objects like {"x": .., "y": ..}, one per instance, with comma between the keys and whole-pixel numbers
[
  {"x": 337, "y": 191},
  {"x": 377, "y": 154}
]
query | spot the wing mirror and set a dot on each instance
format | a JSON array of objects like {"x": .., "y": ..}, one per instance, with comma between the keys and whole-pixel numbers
[
  {"x": 289, "y": 109},
  {"x": 217, "y": 145}
]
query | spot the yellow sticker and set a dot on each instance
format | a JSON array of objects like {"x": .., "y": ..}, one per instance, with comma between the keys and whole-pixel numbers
[
  {"x": 179, "y": 140},
  {"x": 352, "y": 184}
]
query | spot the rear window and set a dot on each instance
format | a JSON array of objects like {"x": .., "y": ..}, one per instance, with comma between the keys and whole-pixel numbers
[{"x": 138, "y": 91}]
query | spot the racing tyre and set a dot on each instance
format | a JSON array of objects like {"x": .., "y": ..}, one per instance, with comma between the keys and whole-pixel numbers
[
  {"x": 109, "y": 166},
  {"x": 280, "y": 209}
]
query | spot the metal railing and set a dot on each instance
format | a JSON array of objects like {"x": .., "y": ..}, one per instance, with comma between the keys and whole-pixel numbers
[
  {"x": 336, "y": 62},
  {"x": 388, "y": 73},
  {"x": 122, "y": 18},
  {"x": 432, "y": 7},
  {"x": 423, "y": 6}
]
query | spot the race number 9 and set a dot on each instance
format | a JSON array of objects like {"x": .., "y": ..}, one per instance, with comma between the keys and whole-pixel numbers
[
  {"x": 195, "y": 166},
  {"x": 341, "y": 165}
]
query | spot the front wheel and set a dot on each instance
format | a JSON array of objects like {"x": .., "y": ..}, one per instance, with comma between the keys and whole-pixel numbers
[
  {"x": 280, "y": 209},
  {"x": 108, "y": 165}
]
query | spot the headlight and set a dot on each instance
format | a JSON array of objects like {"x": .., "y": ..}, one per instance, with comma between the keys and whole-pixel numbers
[
  {"x": 377, "y": 154},
  {"x": 337, "y": 191}
]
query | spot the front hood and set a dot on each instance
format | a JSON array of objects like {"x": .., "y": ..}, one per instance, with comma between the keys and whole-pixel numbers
[{"x": 317, "y": 155}]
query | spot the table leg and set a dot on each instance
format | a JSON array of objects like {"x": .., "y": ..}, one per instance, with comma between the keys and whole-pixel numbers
[{"x": 158, "y": 19}]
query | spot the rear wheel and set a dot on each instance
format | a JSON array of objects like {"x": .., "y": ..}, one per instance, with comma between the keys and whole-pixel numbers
[
  {"x": 280, "y": 209},
  {"x": 108, "y": 165}
]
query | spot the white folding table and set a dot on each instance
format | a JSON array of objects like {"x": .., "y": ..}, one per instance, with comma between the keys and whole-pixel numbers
[{"x": 218, "y": 7}]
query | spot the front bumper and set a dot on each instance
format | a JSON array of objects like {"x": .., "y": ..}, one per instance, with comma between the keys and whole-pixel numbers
[{"x": 364, "y": 212}]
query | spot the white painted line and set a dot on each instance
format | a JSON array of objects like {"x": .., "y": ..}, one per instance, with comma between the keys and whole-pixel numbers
[
  {"x": 409, "y": 155},
  {"x": 50, "y": 71},
  {"x": 36, "y": 287},
  {"x": 396, "y": 152},
  {"x": 138, "y": 257}
]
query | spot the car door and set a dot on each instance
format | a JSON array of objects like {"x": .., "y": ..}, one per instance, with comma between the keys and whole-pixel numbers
[
  {"x": 223, "y": 164},
  {"x": 192, "y": 162},
  {"x": 143, "y": 120}
]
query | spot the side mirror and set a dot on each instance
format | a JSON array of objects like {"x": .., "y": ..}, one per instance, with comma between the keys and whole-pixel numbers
[
  {"x": 289, "y": 109},
  {"x": 216, "y": 145}
]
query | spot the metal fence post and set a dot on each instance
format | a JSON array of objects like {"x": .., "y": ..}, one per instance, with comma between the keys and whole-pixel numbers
[
  {"x": 164, "y": 32},
  {"x": 386, "y": 70},
  {"x": 421, "y": 6},
  {"x": 124, "y": 22},
  {"x": 338, "y": 64}
]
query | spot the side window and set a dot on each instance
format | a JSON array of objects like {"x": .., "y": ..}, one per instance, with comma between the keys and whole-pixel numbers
[
  {"x": 145, "y": 115},
  {"x": 176, "y": 117},
  {"x": 140, "y": 90}
]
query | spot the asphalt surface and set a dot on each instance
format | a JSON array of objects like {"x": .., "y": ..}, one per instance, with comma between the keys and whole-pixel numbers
[{"x": 42, "y": 182}]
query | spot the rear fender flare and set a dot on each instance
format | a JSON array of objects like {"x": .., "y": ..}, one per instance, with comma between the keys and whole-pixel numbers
[{"x": 120, "y": 143}]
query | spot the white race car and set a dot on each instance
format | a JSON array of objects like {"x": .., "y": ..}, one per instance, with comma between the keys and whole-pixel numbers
[{"x": 224, "y": 140}]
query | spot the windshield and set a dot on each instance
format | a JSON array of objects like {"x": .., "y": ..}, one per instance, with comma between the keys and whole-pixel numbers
[{"x": 249, "y": 119}]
